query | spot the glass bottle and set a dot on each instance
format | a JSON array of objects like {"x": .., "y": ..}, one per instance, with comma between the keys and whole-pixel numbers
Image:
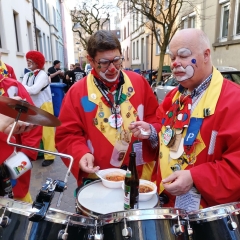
[
  {"x": 134, "y": 181},
  {"x": 127, "y": 190},
  {"x": 5, "y": 182}
]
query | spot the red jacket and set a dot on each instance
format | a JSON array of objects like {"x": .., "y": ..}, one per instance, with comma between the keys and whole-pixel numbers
[
  {"x": 9, "y": 88},
  {"x": 216, "y": 171},
  {"x": 78, "y": 135}
]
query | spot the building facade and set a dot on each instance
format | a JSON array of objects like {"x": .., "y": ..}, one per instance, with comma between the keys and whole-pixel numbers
[{"x": 34, "y": 25}]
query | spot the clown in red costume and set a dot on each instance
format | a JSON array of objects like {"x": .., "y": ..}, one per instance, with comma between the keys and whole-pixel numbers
[
  {"x": 6, "y": 70},
  {"x": 200, "y": 137},
  {"x": 12, "y": 88},
  {"x": 97, "y": 111}
]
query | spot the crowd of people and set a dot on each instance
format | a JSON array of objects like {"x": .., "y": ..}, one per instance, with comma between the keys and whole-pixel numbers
[{"x": 192, "y": 148}]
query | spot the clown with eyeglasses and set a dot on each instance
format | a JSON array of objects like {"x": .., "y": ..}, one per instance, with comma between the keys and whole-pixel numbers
[{"x": 97, "y": 111}]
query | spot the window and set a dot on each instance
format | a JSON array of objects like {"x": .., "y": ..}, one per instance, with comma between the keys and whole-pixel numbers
[
  {"x": 30, "y": 36},
  {"x": 127, "y": 53},
  {"x": 133, "y": 22},
  {"x": 236, "y": 30},
  {"x": 57, "y": 50},
  {"x": 133, "y": 50},
  {"x": 189, "y": 21},
  {"x": 16, "y": 26},
  {"x": 184, "y": 22},
  {"x": 137, "y": 50},
  {"x": 45, "y": 46},
  {"x": 224, "y": 21},
  {"x": 36, "y": 4},
  {"x": 137, "y": 17},
  {"x": 124, "y": 33},
  {"x": 49, "y": 49},
  {"x": 192, "y": 18},
  {"x": 54, "y": 17},
  {"x": 41, "y": 6},
  {"x": 128, "y": 30}
]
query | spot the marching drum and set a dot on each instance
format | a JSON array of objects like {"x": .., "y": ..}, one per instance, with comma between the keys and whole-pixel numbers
[
  {"x": 94, "y": 200},
  {"x": 56, "y": 225},
  {"x": 221, "y": 222},
  {"x": 147, "y": 224}
]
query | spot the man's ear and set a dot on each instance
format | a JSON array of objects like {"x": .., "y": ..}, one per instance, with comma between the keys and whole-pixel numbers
[
  {"x": 90, "y": 60},
  {"x": 207, "y": 55}
]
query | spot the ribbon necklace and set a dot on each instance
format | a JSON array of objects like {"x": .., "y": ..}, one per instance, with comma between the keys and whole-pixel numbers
[{"x": 104, "y": 90}]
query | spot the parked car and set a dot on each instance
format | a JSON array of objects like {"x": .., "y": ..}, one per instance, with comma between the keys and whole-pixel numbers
[{"x": 160, "y": 91}]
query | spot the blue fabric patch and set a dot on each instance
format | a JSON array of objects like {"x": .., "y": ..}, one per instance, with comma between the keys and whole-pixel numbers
[
  {"x": 13, "y": 182},
  {"x": 192, "y": 131},
  {"x": 87, "y": 105}
]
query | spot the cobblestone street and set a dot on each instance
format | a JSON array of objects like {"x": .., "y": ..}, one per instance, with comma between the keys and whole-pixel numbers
[{"x": 56, "y": 171}]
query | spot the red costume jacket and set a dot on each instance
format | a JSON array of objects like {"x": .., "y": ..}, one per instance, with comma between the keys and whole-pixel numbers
[
  {"x": 216, "y": 170},
  {"x": 9, "y": 88},
  {"x": 81, "y": 107}
]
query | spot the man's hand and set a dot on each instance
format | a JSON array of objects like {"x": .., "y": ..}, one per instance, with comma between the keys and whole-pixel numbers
[
  {"x": 20, "y": 128},
  {"x": 86, "y": 164},
  {"x": 178, "y": 183},
  {"x": 135, "y": 127}
]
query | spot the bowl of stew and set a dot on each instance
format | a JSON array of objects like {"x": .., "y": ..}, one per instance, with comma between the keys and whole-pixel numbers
[
  {"x": 146, "y": 190},
  {"x": 112, "y": 177}
]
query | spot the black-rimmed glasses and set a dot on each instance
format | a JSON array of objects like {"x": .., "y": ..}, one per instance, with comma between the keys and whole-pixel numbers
[{"x": 105, "y": 63}]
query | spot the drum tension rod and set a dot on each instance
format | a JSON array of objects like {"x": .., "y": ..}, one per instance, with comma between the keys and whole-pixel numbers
[
  {"x": 178, "y": 229},
  {"x": 95, "y": 235},
  {"x": 5, "y": 220},
  {"x": 63, "y": 234},
  {"x": 231, "y": 224},
  {"x": 127, "y": 231}
]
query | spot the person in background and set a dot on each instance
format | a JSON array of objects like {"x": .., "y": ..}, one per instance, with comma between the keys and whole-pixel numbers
[
  {"x": 37, "y": 85},
  {"x": 200, "y": 135},
  {"x": 72, "y": 66},
  {"x": 76, "y": 74},
  {"x": 97, "y": 110},
  {"x": 11, "y": 88},
  {"x": 68, "y": 81},
  {"x": 6, "y": 70},
  {"x": 55, "y": 72}
]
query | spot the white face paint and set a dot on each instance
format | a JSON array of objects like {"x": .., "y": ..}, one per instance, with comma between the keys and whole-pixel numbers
[
  {"x": 182, "y": 74},
  {"x": 103, "y": 76},
  {"x": 182, "y": 58}
]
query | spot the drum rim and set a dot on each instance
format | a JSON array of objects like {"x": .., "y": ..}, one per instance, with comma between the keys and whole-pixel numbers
[
  {"x": 82, "y": 208},
  {"x": 25, "y": 209},
  {"x": 159, "y": 213},
  {"x": 93, "y": 214},
  {"x": 214, "y": 212}
]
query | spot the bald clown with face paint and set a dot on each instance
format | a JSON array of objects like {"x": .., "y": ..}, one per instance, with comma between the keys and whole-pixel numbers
[
  {"x": 200, "y": 137},
  {"x": 97, "y": 111}
]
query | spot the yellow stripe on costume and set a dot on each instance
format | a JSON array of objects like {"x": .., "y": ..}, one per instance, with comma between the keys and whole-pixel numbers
[
  {"x": 27, "y": 198},
  {"x": 94, "y": 96},
  {"x": 208, "y": 100}
]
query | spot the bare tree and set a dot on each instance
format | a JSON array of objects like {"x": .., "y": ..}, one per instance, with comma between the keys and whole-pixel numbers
[
  {"x": 162, "y": 16},
  {"x": 87, "y": 19}
]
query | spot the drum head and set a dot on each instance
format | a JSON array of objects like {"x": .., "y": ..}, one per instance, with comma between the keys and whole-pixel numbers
[{"x": 94, "y": 199}]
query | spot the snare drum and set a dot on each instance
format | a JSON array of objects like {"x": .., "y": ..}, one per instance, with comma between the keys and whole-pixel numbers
[
  {"x": 221, "y": 222},
  {"x": 55, "y": 224},
  {"x": 147, "y": 224},
  {"x": 94, "y": 200}
]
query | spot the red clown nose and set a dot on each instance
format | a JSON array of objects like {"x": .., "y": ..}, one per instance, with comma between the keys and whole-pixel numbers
[
  {"x": 174, "y": 64},
  {"x": 112, "y": 69}
]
